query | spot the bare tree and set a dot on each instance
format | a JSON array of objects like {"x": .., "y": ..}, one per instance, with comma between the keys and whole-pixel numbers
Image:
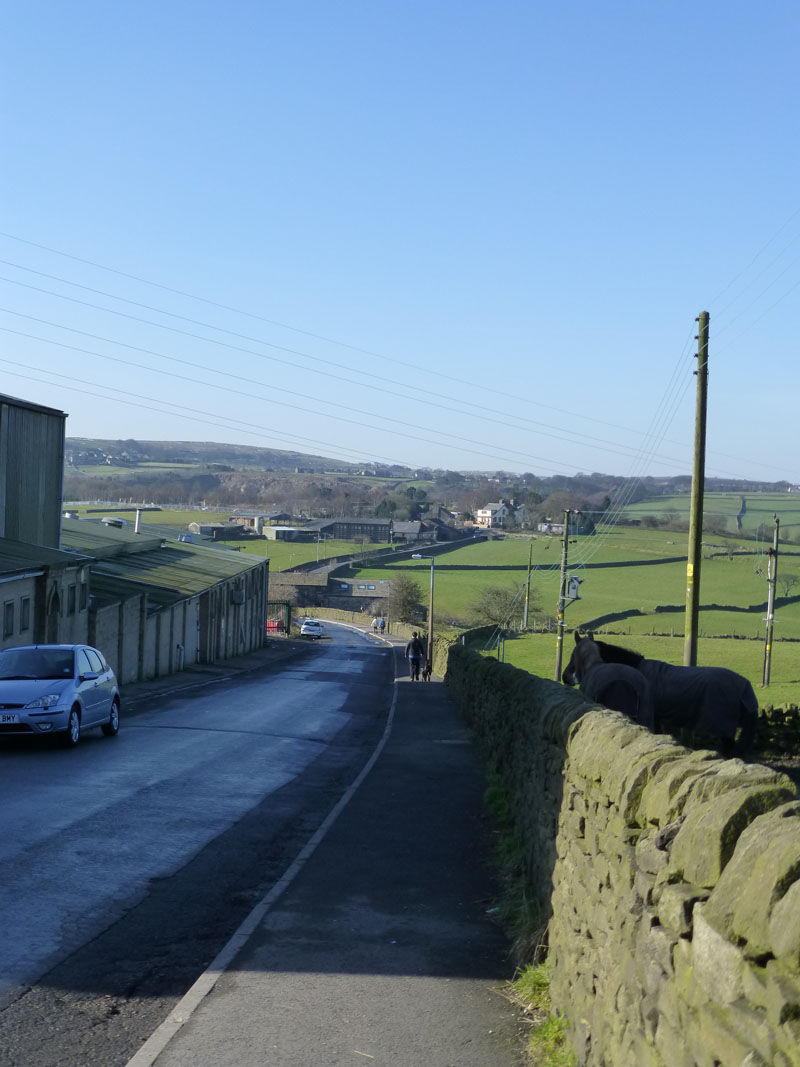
[
  {"x": 787, "y": 582},
  {"x": 499, "y": 604}
]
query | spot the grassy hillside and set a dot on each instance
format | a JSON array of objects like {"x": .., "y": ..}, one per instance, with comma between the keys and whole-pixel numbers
[
  {"x": 634, "y": 586},
  {"x": 759, "y": 509}
]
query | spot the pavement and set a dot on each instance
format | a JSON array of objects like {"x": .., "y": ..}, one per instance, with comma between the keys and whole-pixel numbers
[{"x": 378, "y": 943}]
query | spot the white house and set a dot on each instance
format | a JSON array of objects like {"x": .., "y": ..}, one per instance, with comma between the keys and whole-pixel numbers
[{"x": 492, "y": 515}]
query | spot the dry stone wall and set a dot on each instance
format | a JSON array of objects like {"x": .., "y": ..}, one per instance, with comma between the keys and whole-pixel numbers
[{"x": 670, "y": 877}]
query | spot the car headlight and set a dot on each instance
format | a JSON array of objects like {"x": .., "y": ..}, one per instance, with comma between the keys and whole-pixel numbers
[{"x": 48, "y": 701}]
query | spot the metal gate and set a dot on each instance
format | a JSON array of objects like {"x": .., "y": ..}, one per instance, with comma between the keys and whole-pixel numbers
[{"x": 279, "y": 617}]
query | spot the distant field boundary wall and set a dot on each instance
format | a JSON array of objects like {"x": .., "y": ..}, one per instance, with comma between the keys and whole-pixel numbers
[
  {"x": 370, "y": 556},
  {"x": 669, "y": 878}
]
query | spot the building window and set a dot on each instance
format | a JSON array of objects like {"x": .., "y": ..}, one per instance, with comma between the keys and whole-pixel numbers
[
  {"x": 24, "y": 614},
  {"x": 8, "y": 618},
  {"x": 84, "y": 595},
  {"x": 71, "y": 597}
]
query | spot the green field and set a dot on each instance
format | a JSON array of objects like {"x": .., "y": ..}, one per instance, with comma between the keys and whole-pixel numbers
[
  {"x": 178, "y": 518},
  {"x": 635, "y": 575},
  {"x": 759, "y": 508},
  {"x": 639, "y": 576},
  {"x": 282, "y": 554},
  {"x": 537, "y": 653}
]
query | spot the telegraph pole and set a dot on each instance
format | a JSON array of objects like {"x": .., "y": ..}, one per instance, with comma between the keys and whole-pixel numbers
[
  {"x": 527, "y": 590},
  {"x": 562, "y": 590},
  {"x": 772, "y": 574},
  {"x": 698, "y": 492}
]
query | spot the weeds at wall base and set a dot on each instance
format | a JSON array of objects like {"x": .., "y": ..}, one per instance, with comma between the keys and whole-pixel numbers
[
  {"x": 517, "y": 910},
  {"x": 547, "y": 1044}
]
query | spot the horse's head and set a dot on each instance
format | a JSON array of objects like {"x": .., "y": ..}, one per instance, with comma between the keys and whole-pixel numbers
[{"x": 583, "y": 656}]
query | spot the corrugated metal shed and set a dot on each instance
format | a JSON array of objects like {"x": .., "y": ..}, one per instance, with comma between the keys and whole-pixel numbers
[
  {"x": 31, "y": 471},
  {"x": 177, "y": 568}
]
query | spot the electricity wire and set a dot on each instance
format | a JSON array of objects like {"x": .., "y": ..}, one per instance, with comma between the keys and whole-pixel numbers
[{"x": 416, "y": 397}]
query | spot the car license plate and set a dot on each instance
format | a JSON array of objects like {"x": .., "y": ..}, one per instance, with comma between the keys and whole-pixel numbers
[{"x": 7, "y": 717}]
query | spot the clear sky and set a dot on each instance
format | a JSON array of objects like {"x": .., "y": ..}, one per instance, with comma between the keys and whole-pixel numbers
[{"x": 450, "y": 233}]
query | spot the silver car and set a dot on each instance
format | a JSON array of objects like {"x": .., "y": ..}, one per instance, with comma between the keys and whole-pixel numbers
[{"x": 57, "y": 689}]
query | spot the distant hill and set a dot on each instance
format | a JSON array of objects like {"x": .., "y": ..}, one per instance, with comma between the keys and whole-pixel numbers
[
  {"x": 92, "y": 451},
  {"x": 237, "y": 472}
]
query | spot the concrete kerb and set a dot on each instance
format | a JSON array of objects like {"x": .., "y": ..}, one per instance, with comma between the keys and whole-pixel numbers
[{"x": 195, "y": 677}]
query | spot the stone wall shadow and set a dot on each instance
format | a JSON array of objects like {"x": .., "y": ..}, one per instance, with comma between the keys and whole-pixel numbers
[{"x": 522, "y": 723}]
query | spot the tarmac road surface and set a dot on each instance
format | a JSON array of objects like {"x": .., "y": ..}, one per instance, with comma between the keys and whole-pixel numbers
[{"x": 129, "y": 861}]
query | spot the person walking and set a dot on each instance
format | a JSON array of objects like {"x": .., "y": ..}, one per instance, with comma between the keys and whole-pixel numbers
[
  {"x": 414, "y": 654},
  {"x": 375, "y": 624},
  {"x": 383, "y": 624}
]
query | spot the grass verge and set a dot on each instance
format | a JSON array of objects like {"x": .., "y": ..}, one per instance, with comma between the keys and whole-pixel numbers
[
  {"x": 518, "y": 910},
  {"x": 547, "y": 1043}
]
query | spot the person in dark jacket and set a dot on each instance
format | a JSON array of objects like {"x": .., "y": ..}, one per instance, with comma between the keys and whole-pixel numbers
[{"x": 414, "y": 654}]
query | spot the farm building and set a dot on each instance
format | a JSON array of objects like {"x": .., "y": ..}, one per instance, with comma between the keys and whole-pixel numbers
[
  {"x": 409, "y": 532},
  {"x": 157, "y": 605},
  {"x": 258, "y": 521},
  {"x": 289, "y": 533},
  {"x": 31, "y": 471},
  {"x": 368, "y": 529},
  {"x": 45, "y": 596},
  {"x": 218, "y": 531}
]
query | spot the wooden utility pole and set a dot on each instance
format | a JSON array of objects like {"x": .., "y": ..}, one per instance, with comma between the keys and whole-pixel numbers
[
  {"x": 562, "y": 596},
  {"x": 772, "y": 574},
  {"x": 527, "y": 590},
  {"x": 698, "y": 492}
]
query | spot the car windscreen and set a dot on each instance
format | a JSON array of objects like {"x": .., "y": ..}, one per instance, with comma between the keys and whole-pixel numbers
[{"x": 36, "y": 663}]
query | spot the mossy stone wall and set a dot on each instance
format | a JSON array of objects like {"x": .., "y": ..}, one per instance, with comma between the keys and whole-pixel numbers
[{"x": 670, "y": 877}]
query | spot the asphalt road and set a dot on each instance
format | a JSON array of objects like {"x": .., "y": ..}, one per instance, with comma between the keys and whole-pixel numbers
[{"x": 128, "y": 862}]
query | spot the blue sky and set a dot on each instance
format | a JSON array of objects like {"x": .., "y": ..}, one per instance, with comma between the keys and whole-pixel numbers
[{"x": 454, "y": 234}]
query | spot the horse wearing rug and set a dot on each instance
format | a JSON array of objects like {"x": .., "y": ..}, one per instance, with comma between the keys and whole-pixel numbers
[
  {"x": 614, "y": 685},
  {"x": 707, "y": 700}
]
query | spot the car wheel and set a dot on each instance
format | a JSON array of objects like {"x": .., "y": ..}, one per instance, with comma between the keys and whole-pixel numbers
[
  {"x": 72, "y": 734},
  {"x": 111, "y": 728}
]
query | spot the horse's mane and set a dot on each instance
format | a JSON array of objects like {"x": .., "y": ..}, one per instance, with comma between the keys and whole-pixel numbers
[{"x": 617, "y": 654}]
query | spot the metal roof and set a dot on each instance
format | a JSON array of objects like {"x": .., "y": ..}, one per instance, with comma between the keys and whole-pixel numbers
[
  {"x": 321, "y": 524},
  {"x": 255, "y": 513},
  {"x": 175, "y": 533},
  {"x": 17, "y": 556},
  {"x": 95, "y": 539},
  {"x": 16, "y": 402},
  {"x": 177, "y": 568},
  {"x": 169, "y": 569}
]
